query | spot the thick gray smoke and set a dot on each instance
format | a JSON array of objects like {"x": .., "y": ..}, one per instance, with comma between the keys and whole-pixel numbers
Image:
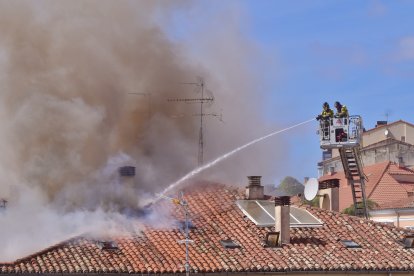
[{"x": 83, "y": 90}]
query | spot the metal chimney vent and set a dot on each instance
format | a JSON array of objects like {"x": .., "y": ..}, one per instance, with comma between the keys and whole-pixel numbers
[{"x": 127, "y": 171}]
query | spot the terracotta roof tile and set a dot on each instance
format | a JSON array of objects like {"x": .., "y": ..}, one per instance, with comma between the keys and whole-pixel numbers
[{"x": 216, "y": 217}]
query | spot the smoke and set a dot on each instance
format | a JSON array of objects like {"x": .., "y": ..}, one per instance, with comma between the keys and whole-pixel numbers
[{"x": 84, "y": 88}]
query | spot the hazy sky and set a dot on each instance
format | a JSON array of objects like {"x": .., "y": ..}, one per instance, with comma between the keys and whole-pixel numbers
[{"x": 358, "y": 52}]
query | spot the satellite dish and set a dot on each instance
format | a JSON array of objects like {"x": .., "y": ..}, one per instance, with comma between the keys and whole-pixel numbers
[{"x": 311, "y": 188}]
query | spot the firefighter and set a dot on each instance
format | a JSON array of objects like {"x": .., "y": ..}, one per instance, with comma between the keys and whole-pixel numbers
[
  {"x": 341, "y": 111},
  {"x": 324, "y": 118},
  {"x": 326, "y": 114}
]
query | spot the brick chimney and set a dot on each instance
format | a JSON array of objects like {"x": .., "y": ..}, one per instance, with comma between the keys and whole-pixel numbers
[
  {"x": 282, "y": 219},
  {"x": 255, "y": 190}
]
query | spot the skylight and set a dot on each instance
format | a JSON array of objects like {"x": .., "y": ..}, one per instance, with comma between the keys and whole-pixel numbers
[
  {"x": 107, "y": 245},
  {"x": 262, "y": 213},
  {"x": 230, "y": 244},
  {"x": 350, "y": 244}
]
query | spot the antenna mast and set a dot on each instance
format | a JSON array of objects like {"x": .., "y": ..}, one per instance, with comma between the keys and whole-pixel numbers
[
  {"x": 187, "y": 240},
  {"x": 202, "y": 101},
  {"x": 184, "y": 204}
]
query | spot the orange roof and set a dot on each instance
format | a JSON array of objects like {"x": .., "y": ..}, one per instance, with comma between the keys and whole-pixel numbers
[
  {"x": 398, "y": 204},
  {"x": 381, "y": 187},
  {"x": 216, "y": 217}
]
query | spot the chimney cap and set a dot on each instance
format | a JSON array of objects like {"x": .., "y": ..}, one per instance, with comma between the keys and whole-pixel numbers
[
  {"x": 127, "y": 171},
  {"x": 282, "y": 201},
  {"x": 254, "y": 180}
]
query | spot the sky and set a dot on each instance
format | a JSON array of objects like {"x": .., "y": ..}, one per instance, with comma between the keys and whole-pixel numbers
[{"x": 360, "y": 53}]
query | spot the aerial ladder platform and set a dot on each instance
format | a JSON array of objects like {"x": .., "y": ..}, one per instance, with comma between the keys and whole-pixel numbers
[{"x": 345, "y": 134}]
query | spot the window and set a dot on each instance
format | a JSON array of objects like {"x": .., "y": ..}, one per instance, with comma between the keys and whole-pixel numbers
[
  {"x": 107, "y": 245},
  {"x": 230, "y": 244},
  {"x": 403, "y": 138},
  {"x": 350, "y": 244}
]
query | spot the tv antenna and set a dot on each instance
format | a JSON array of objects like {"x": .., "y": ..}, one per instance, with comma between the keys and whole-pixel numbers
[
  {"x": 387, "y": 114},
  {"x": 200, "y": 84},
  {"x": 184, "y": 204}
]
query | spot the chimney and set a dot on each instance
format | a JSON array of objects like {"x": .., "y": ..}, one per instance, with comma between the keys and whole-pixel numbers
[
  {"x": 127, "y": 180},
  {"x": 401, "y": 163},
  {"x": 255, "y": 190},
  {"x": 381, "y": 123},
  {"x": 329, "y": 195},
  {"x": 282, "y": 219}
]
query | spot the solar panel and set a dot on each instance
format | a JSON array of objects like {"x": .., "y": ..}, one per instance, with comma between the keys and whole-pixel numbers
[
  {"x": 262, "y": 213},
  {"x": 303, "y": 216},
  {"x": 255, "y": 212}
]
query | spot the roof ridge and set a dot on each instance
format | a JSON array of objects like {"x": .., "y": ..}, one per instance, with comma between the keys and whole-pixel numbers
[
  {"x": 390, "y": 124},
  {"x": 379, "y": 180}
]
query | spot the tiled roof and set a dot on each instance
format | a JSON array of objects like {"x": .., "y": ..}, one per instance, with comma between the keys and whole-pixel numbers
[
  {"x": 381, "y": 186},
  {"x": 216, "y": 217},
  {"x": 398, "y": 204},
  {"x": 397, "y": 170}
]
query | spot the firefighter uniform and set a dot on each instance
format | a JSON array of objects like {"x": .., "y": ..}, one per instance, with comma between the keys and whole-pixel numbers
[
  {"x": 343, "y": 113},
  {"x": 327, "y": 114}
]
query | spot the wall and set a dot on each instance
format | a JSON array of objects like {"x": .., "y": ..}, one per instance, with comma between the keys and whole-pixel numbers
[
  {"x": 395, "y": 130},
  {"x": 399, "y": 217},
  {"x": 390, "y": 150}
]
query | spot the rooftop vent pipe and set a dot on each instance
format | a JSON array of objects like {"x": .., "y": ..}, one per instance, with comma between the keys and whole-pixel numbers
[{"x": 255, "y": 190}]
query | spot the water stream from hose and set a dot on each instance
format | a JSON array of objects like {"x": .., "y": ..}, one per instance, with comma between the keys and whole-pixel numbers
[{"x": 223, "y": 157}]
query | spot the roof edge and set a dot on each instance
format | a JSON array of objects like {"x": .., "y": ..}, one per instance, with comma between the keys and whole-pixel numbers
[{"x": 390, "y": 124}]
